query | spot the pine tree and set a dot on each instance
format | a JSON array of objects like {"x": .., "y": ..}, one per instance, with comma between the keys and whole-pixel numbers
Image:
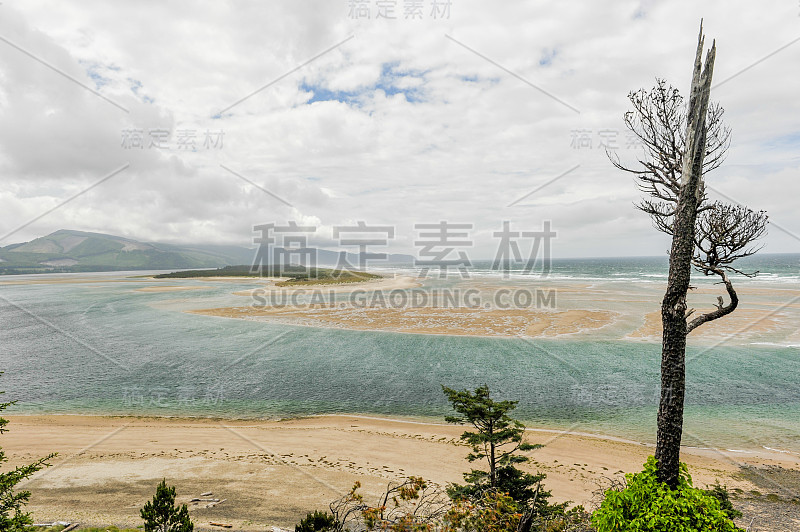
[
  {"x": 498, "y": 439},
  {"x": 13, "y": 518},
  {"x": 161, "y": 514}
]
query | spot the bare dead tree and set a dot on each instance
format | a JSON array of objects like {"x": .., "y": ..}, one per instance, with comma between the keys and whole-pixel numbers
[
  {"x": 412, "y": 504},
  {"x": 682, "y": 143}
]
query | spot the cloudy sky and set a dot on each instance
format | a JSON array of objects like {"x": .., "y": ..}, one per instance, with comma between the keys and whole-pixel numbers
[{"x": 195, "y": 121}]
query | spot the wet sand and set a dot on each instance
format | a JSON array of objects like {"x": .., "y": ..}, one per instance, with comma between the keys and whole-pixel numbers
[
  {"x": 623, "y": 311},
  {"x": 444, "y": 321},
  {"x": 160, "y": 289}
]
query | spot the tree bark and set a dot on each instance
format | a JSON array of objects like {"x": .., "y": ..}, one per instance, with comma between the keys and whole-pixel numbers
[{"x": 673, "y": 307}]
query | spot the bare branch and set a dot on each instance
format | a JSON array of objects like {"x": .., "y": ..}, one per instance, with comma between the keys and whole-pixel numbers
[
  {"x": 724, "y": 233},
  {"x": 722, "y": 309},
  {"x": 658, "y": 120}
]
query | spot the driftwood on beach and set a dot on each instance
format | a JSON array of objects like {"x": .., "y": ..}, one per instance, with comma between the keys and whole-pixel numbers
[{"x": 213, "y": 504}]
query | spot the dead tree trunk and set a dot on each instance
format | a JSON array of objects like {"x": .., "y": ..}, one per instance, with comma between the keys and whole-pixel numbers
[{"x": 673, "y": 307}]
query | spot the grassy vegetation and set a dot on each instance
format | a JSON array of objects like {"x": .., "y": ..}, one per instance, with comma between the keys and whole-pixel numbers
[
  {"x": 330, "y": 277},
  {"x": 297, "y": 275}
]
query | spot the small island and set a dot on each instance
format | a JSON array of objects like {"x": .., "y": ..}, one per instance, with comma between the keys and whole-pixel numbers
[{"x": 292, "y": 275}]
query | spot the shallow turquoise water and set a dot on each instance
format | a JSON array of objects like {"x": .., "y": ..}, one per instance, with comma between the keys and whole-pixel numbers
[{"x": 103, "y": 348}]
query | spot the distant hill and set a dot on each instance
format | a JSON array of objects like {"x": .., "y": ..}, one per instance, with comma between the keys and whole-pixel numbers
[{"x": 79, "y": 251}]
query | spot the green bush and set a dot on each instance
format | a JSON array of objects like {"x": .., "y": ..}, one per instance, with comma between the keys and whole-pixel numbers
[
  {"x": 648, "y": 505},
  {"x": 721, "y": 494},
  {"x": 316, "y": 522},
  {"x": 13, "y": 517},
  {"x": 573, "y": 520},
  {"x": 161, "y": 514}
]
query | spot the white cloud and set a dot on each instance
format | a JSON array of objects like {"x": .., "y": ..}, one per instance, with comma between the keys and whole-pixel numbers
[{"x": 472, "y": 140}]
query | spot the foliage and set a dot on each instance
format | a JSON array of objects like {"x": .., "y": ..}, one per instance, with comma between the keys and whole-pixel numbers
[
  {"x": 647, "y": 504},
  {"x": 721, "y": 494},
  {"x": 323, "y": 276},
  {"x": 409, "y": 506},
  {"x": 524, "y": 488},
  {"x": 495, "y": 428},
  {"x": 497, "y": 439},
  {"x": 415, "y": 506},
  {"x": 240, "y": 271},
  {"x": 493, "y": 512},
  {"x": 161, "y": 514},
  {"x": 316, "y": 522},
  {"x": 412, "y": 507},
  {"x": 296, "y": 275},
  {"x": 498, "y": 512},
  {"x": 12, "y": 515},
  {"x": 575, "y": 520}
]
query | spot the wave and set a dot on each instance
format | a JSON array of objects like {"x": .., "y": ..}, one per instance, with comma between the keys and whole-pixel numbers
[
  {"x": 599, "y": 274},
  {"x": 778, "y": 450},
  {"x": 776, "y": 344}
]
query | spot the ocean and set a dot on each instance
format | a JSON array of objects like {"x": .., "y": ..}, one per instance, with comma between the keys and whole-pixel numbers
[{"x": 99, "y": 346}]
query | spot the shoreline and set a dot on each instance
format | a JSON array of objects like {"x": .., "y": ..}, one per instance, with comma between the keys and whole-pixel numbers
[
  {"x": 760, "y": 452},
  {"x": 272, "y": 473}
]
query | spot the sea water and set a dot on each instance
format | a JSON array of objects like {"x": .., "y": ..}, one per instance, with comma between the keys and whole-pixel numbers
[{"x": 102, "y": 347}]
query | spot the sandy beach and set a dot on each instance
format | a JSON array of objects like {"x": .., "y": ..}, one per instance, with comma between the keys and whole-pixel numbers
[{"x": 271, "y": 473}]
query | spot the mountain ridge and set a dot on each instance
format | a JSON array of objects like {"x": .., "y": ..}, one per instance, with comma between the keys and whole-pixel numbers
[{"x": 68, "y": 251}]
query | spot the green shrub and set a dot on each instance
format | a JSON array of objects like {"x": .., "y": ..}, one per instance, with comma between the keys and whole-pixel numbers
[
  {"x": 13, "y": 517},
  {"x": 494, "y": 511},
  {"x": 648, "y": 505},
  {"x": 573, "y": 520},
  {"x": 161, "y": 514},
  {"x": 525, "y": 489},
  {"x": 721, "y": 494},
  {"x": 316, "y": 522}
]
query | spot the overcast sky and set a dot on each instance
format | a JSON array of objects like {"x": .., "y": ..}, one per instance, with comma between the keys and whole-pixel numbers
[{"x": 329, "y": 117}]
